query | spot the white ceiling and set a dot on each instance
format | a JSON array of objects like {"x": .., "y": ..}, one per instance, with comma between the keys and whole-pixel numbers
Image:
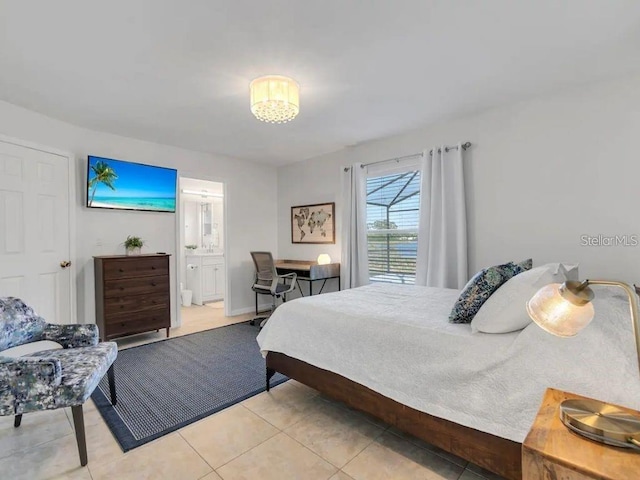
[{"x": 177, "y": 71}]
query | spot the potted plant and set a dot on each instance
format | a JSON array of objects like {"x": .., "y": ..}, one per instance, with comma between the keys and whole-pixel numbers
[{"x": 133, "y": 245}]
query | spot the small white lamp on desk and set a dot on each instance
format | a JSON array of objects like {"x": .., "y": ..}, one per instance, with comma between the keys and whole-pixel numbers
[
  {"x": 324, "y": 259},
  {"x": 564, "y": 310}
]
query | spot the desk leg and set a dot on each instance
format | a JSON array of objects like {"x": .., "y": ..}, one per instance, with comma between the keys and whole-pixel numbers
[
  {"x": 322, "y": 287},
  {"x": 310, "y": 287},
  {"x": 339, "y": 288}
]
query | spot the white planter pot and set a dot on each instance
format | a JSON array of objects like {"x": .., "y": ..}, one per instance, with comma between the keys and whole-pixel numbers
[{"x": 133, "y": 251}]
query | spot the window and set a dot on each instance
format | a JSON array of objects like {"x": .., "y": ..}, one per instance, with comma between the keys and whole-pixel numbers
[{"x": 393, "y": 203}]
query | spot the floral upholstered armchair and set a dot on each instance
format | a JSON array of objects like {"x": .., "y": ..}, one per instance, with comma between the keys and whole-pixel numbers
[{"x": 36, "y": 374}]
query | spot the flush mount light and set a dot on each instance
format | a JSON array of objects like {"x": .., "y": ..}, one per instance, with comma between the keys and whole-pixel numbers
[{"x": 274, "y": 98}]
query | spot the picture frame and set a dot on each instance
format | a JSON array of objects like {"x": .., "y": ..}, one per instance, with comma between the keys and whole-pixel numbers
[{"x": 313, "y": 223}]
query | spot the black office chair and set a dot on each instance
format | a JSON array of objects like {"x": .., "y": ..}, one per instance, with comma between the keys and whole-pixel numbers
[{"x": 268, "y": 282}]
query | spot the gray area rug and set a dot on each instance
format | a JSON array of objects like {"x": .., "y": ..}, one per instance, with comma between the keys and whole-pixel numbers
[{"x": 166, "y": 385}]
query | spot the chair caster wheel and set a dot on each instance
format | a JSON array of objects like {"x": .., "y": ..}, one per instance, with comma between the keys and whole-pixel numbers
[{"x": 252, "y": 322}]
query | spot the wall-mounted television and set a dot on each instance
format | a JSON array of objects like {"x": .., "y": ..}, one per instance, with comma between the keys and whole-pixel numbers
[{"x": 120, "y": 185}]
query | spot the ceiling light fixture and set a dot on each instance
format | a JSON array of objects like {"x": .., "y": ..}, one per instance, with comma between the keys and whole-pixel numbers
[{"x": 274, "y": 98}]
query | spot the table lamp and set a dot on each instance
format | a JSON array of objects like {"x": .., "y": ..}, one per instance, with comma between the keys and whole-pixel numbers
[
  {"x": 324, "y": 259},
  {"x": 564, "y": 310}
]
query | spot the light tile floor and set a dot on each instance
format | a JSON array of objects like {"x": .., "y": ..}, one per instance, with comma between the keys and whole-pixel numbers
[
  {"x": 195, "y": 318},
  {"x": 291, "y": 432}
]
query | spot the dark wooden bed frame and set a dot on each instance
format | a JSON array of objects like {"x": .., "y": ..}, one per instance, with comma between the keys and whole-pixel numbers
[{"x": 496, "y": 454}]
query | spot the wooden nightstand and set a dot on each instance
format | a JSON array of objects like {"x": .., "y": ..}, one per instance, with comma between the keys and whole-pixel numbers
[{"x": 552, "y": 452}]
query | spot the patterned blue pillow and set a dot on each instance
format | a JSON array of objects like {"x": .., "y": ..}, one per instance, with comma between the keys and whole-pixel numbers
[{"x": 481, "y": 287}]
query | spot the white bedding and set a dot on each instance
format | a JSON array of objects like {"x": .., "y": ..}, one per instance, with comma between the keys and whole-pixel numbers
[{"x": 397, "y": 341}]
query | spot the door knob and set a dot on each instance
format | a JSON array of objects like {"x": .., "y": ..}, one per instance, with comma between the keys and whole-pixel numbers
[{"x": 65, "y": 264}]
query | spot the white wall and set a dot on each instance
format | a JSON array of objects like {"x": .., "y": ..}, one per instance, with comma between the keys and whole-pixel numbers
[
  {"x": 540, "y": 174},
  {"x": 251, "y": 203}
]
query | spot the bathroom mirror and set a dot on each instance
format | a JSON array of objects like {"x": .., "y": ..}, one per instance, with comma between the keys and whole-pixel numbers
[
  {"x": 207, "y": 220},
  {"x": 202, "y": 219},
  {"x": 206, "y": 225}
]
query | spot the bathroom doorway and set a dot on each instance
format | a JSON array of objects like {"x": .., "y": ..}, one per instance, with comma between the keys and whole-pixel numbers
[{"x": 202, "y": 263}]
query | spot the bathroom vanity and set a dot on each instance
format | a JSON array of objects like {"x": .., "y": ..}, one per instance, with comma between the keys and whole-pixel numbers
[{"x": 205, "y": 277}]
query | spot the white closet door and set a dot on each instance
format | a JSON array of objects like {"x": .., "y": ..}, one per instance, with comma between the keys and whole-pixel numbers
[{"x": 34, "y": 230}]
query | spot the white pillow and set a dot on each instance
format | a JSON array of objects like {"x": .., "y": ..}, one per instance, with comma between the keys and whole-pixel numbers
[
  {"x": 505, "y": 311},
  {"x": 569, "y": 270},
  {"x": 27, "y": 349}
]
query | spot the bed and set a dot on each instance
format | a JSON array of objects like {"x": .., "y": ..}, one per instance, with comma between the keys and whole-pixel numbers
[{"x": 389, "y": 350}]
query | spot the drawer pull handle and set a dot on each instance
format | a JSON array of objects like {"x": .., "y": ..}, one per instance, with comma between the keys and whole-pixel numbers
[
  {"x": 153, "y": 284},
  {"x": 121, "y": 270},
  {"x": 153, "y": 268}
]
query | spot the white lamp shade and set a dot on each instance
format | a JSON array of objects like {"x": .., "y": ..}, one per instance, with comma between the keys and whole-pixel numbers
[
  {"x": 275, "y": 99},
  {"x": 553, "y": 313},
  {"x": 324, "y": 259}
]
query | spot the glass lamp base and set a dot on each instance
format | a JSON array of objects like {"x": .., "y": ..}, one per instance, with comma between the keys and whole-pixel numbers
[{"x": 601, "y": 422}]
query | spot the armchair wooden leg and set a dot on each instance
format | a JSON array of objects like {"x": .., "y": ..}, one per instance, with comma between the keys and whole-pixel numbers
[
  {"x": 16, "y": 420},
  {"x": 78, "y": 424},
  {"x": 112, "y": 385}
]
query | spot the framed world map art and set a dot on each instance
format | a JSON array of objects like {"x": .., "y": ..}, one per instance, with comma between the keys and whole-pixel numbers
[{"x": 313, "y": 223}]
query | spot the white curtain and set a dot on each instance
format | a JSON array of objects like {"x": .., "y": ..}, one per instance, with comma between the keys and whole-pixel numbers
[
  {"x": 354, "y": 264},
  {"x": 442, "y": 234}
]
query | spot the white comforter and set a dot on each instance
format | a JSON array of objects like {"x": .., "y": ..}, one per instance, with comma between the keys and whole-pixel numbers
[{"x": 397, "y": 341}]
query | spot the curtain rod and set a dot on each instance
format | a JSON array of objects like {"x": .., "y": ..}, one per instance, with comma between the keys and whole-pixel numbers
[{"x": 397, "y": 159}]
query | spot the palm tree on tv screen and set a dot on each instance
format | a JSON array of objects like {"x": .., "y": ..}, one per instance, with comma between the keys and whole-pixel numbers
[{"x": 103, "y": 174}]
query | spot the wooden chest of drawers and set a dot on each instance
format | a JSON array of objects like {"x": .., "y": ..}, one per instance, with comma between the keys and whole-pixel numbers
[{"x": 132, "y": 294}]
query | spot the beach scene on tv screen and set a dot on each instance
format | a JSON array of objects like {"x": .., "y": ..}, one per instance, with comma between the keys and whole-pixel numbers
[{"x": 130, "y": 186}]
